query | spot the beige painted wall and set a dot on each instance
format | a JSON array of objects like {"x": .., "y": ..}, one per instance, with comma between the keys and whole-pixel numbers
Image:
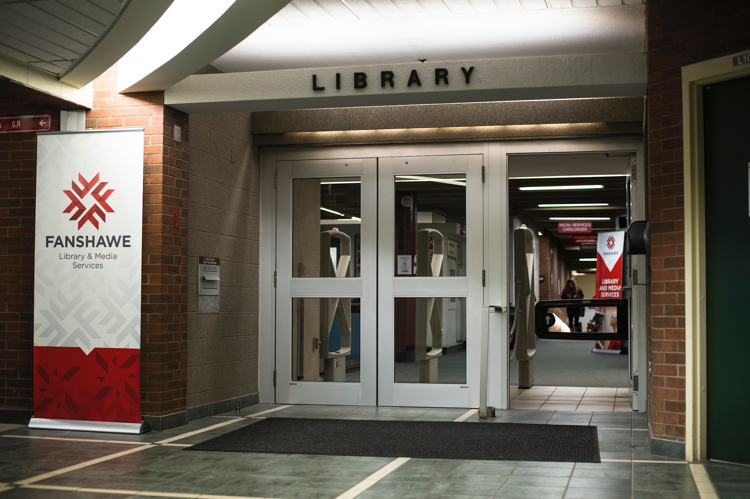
[
  {"x": 223, "y": 221},
  {"x": 587, "y": 283}
]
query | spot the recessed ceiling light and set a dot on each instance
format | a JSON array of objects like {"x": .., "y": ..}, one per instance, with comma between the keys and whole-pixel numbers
[
  {"x": 539, "y": 233},
  {"x": 571, "y": 205},
  {"x": 585, "y": 219},
  {"x": 559, "y": 187}
]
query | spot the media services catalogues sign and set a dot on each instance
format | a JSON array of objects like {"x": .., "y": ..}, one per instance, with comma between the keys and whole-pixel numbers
[{"x": 87, "y": 279}]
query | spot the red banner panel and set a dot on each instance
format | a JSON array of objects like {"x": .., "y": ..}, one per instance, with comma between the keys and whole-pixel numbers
[
  {"x": 574, "y": 227},
  {"x": 104, "y": 385}
]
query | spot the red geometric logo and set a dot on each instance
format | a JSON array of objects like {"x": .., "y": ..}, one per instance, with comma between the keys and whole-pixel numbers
[
  {"x": 610, "y": 242},
  {"x": 76, "y": 201}
]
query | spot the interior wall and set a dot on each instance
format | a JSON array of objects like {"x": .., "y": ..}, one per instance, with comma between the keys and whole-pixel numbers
[
  {"x": 679, "y": 33},
  {"x": 587, "y": 283},
  {"x": 224, "y": 205}
]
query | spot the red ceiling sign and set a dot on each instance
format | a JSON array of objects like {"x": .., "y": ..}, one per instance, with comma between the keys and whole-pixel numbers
[
  {"x": 25, "y": 124},
  {"x": 592, "y": 239},
  {"x": 574, "y": 227}
]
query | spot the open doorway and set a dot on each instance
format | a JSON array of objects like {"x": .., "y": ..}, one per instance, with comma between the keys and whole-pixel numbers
[{"x": 548, "y": 193}]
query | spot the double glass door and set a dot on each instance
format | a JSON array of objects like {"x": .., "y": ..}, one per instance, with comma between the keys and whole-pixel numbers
[{"x": 379, "y": 281}]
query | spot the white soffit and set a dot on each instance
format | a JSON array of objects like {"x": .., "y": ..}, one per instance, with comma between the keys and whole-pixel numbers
[
  {"x": 190, "y": 35},
  {"x": 330, "y": 33}
]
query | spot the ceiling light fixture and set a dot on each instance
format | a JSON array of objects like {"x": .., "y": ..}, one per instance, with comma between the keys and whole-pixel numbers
[
  {"x": 331, "y": 211},
  {"x": 418, "y": 178},
  {"x": 584, "y": 219},
  {"x": 587, "y": 259},
  {"x": 559, "y": 187},
  {"x": 571, "y": 205},
  {"x": 341, "y": 182},
  {"x": 570, "y": 176}
]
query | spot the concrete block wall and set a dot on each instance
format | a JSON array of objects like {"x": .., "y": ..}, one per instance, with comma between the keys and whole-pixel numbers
[
  {"x": 17, "y": 215},
  {"x": 222, "y": 362},
  {"x": 679, "y": 33}
]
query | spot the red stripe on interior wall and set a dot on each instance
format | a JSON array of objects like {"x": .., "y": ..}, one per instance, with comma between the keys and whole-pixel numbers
[{"x": 104, "y": 385}]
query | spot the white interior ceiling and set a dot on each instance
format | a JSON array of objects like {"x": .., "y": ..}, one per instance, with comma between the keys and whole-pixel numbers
[
  {"x": 332, "y": 33},
  {"x": 51, "y": 35}
]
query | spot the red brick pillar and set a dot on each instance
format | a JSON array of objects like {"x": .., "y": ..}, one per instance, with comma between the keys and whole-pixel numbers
[
  {"x": 17, "y": 215},
  {"x": 165, "y": 191}
]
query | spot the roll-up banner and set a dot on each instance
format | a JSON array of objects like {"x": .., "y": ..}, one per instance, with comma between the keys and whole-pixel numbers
[
  {"x": 87, "y": 281},
  {"x": 609, "y": 248}
]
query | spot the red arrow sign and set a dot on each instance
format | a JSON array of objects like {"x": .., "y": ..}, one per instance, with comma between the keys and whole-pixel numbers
[
  {"x": 585, "y": 239},
  {"x": 25, "y": 124},
  {"x": 574, "y": 227}
]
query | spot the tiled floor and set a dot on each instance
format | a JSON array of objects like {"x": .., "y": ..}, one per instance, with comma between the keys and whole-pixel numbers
[
  {"x": 570, "y": 398},
  {"x": 55, "y": 464}
]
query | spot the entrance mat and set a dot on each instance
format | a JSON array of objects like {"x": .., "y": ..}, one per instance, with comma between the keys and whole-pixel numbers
[{"x": 425, "y": 439}]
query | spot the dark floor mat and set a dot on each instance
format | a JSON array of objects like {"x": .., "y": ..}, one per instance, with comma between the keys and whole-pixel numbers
[{"x": 341, "y": 437}]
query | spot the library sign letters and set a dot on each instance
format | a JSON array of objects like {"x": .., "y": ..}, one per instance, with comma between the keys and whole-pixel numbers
[
  {"x": 360, "y": 80},
  {"x": 87, "y": 280}
]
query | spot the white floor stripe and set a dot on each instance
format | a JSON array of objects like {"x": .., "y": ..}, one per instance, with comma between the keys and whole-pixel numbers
[
  {"x": 144, "y": 493},
  {"x": 39, "y": 478},
  {"x": 463, "y": 417},
  {"x": 703, "y": 481},
  {"x": 266, "y": 412},
  {"x": 374, "y": 478},
  {"x": 641, "y": 461},
  {"x": 75, "y": 439},
  {"x": 197, "y": 432}
]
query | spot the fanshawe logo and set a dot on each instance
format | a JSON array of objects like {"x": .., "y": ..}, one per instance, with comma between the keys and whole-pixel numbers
[
  {"x": 610, "y": 243},
  {"x": 77, "y": 201}
]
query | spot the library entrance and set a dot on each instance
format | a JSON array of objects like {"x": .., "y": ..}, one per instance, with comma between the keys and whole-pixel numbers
[{"x": 384, "y": 260}]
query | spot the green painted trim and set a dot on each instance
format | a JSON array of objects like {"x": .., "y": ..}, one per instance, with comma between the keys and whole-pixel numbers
[
  {"x": 162, "y": 423},
  {"x": 667, "y": 448},
  {"x": 214, "y": 408}
]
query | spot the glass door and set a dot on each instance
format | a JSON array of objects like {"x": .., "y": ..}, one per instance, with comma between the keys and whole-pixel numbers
[
  {"x": 326, "y": 282},
  {"x": 430, "y": 261}
]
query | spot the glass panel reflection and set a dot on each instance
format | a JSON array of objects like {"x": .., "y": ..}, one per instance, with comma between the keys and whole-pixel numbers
[
  {"x": 325, "y": 339},
  {"x": 430, "y": 225},
  {"x": 430, "y": 340},
  {"x": 326, "y": 227}
]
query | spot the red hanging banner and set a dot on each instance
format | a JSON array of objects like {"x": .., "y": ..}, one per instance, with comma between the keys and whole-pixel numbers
[
  {"x": 574, "y": 227},
  {"x": 587, "y": 239},
  {"x": 609, "y": 250}
]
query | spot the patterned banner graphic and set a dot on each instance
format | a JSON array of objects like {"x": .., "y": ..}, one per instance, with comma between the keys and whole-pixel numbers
[{"x": 87, "y": 278}]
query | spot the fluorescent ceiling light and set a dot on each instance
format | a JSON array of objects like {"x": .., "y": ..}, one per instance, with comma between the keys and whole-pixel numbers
[
  {"x": 342, "y": 182},
  {"x": 570, "y": 176},
  {"x": 559, "y": 187},
  {"x": 331, "y": 211},
  {"x": 419, "y": 178},
  {"x": 584, "y": 219},
  {"x": 571, "y": 205},
  {"x": 587, "y": 259}
]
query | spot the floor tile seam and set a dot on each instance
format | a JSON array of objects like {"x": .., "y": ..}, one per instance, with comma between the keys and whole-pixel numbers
[
  {"x": 144, "y": 493},
  {"x": 87, "y": 440},
  {"x": 632, "y": 468},
  {"x": 507, "y": 478},
  {"x": 79, "y": 466}
]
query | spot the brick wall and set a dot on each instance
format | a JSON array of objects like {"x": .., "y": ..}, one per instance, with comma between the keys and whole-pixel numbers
[
  {"x": 679, "y": 32},
  {"x": 17, "y": 210},
  {"x": 165, "y": 190}
]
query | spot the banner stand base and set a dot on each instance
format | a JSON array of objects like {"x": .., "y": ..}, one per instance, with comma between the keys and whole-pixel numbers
[{"x": 95, "y": 426}]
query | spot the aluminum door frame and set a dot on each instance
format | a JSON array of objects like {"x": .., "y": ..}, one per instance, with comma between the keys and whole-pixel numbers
[
  {"x": 289, "y": 391},
  {"x": 498, "y": 268},
  {"x": 390, "y": 287}
]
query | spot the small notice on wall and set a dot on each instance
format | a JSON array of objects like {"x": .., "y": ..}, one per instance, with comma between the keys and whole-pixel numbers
[{"x": 403, "y": 265}]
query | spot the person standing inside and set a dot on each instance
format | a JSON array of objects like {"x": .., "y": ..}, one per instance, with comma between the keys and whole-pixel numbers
[{"x": 573, "y": 292}]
